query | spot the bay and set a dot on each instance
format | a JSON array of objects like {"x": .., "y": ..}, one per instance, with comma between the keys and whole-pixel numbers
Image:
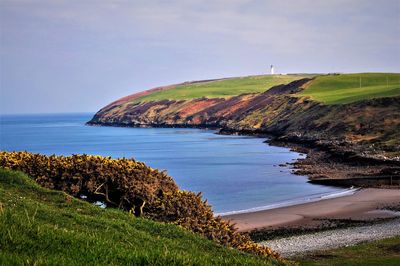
[{"x": 234, "y": 173}]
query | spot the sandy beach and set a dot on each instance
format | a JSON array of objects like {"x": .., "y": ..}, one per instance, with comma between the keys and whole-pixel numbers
[{"x": 362, "y": 205}]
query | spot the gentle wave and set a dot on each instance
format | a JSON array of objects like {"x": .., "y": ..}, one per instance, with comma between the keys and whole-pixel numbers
[{"x": 314, "y": 198}]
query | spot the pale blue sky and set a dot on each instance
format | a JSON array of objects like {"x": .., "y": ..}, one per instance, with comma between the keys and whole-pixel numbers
[{"x": 77, "y": 56}]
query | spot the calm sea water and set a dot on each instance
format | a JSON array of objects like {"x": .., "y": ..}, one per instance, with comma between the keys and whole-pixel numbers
[{"x": 233, "y": 172}]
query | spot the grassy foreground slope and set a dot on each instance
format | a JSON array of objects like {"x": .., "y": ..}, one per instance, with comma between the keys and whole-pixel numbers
[
  {"x": 221, "y": 88},
  {"x": 46, "y": 227},
  {"x": 347, "y": 88}
]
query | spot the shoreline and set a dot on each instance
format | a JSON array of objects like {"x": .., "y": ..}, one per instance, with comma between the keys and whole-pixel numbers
[
  {"x": 364, "y": 205},
  {"x": 293, "y": 202},
  {"x": 309, "y": 243},
  {"x": 324, "y": 164}
]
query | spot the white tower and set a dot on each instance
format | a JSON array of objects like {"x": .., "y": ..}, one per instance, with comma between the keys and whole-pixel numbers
[{"x": 272, "y": 69}]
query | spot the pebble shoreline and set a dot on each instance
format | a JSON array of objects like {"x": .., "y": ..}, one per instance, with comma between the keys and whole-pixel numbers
[{"x": 307, "y": 243}]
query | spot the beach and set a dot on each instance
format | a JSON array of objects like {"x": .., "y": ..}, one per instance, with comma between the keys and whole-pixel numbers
[
  {"x": 365, "y": 204},
  {"x": 299, "y": 245}
]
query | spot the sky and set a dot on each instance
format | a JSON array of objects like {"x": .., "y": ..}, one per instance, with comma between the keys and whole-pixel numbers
[{"x": 77, "y": 56}]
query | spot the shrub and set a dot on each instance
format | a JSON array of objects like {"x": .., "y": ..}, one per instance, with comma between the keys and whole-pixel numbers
[{"x": 122, "y": 183}]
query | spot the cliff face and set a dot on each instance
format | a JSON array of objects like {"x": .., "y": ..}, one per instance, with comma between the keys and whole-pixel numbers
[{"x": 369, "y": 129}]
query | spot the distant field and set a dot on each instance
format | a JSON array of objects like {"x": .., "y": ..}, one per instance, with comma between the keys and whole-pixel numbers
[
  {"x": 347, "y": 88},
  {"x": 221, "y": 88}
]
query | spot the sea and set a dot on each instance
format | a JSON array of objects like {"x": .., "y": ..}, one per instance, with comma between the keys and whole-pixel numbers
[{"x": 234, "y": 173}]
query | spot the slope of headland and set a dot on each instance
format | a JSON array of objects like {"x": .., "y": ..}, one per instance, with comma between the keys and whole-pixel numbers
[{"x": 348, "y": 124}]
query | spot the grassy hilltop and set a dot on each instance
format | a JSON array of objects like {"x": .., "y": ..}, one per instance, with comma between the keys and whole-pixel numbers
[
  {"x": 222, "y": 88},
  {"x": 329, "y": 89},
  {"x": 347, "y": 88},
  {"x": 39, "y": 226},
  {"x": 326, "y": 89}
]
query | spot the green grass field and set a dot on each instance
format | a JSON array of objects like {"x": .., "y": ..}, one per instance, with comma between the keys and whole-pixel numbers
[
  {"x": 221, "y": 88},
  {"x": 346, "y": 88},
  {"x": 378, "y": 253},
  {"x": 45, "y": 227}
]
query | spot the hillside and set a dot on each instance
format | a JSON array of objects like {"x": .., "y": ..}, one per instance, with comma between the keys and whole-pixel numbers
[
  {"x": 133, "y": 187},
  {"x": 326, "y": 111},
  {"x": 214, "y": 88},
  {"x": 39, "y": 226}
]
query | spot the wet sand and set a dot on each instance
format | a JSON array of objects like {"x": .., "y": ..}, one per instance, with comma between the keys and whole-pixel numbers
[{"x": 362, "y": 205}]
